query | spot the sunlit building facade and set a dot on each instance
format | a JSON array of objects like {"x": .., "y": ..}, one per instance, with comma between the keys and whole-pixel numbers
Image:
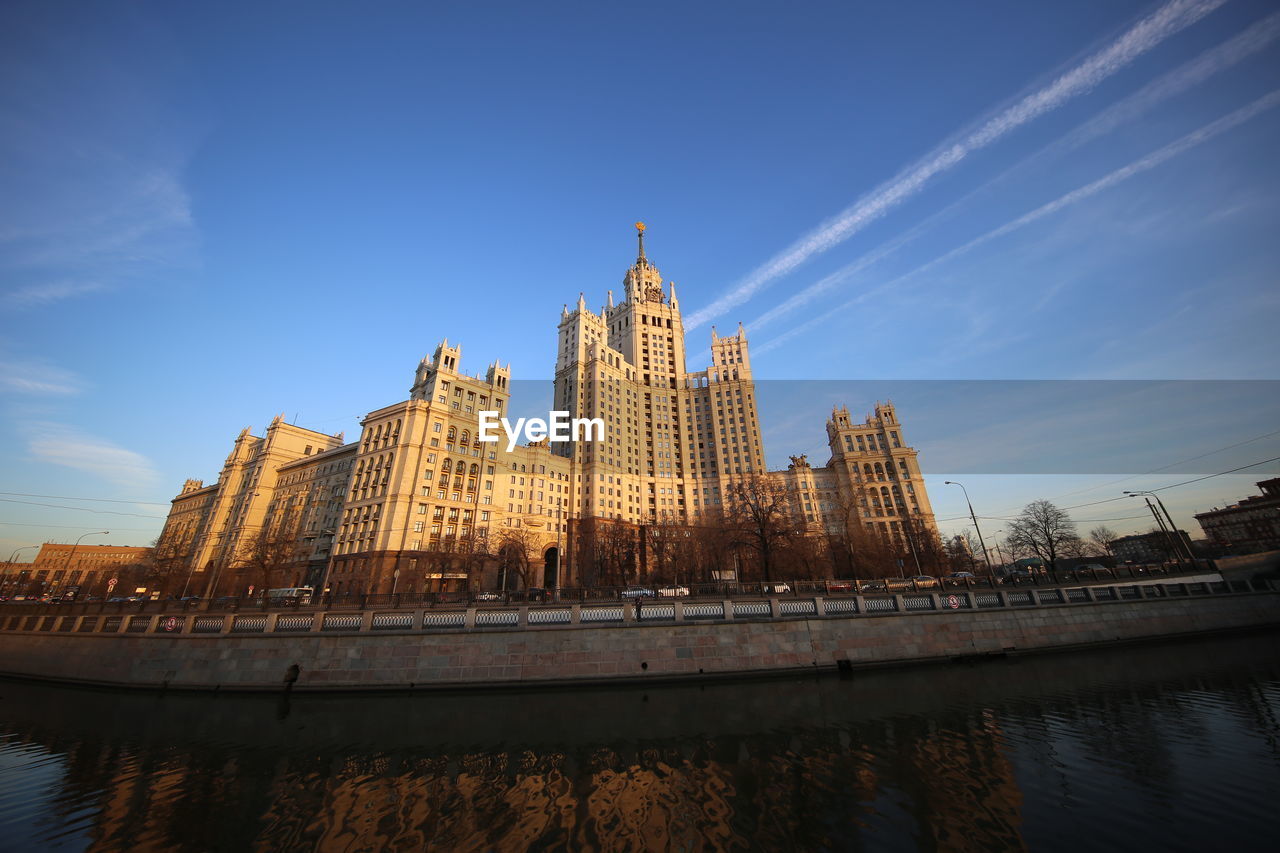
[{"x": 419, "y": 502}]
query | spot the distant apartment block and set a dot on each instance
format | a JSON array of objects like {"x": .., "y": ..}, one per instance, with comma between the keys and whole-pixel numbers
[{"x": 1247, "y": 527}]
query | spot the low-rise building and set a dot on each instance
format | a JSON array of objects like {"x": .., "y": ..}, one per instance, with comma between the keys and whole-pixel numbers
[
  {"x": 1154, "y": 547},
  {"x": 1247, "y": 527}
]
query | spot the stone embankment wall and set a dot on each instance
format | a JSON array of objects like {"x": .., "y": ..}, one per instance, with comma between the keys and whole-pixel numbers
[{"x": 626, "y": 651}]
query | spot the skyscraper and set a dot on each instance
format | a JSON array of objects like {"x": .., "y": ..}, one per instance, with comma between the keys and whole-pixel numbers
[{"x": 419, "y": 502}]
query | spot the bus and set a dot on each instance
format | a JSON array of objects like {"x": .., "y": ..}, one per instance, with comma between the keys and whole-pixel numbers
[{"x": 290, "y": 596}]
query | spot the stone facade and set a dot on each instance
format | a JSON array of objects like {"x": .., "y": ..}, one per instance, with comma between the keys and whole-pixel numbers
[
  {"x": 89, "y": 567},
  {"x": 1247, "y": 527},
  {"x": 416, "y": 502},
  {"x": 628, "y": 652}
]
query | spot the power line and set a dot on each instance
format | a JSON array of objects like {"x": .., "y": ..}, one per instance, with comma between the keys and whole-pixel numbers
[
  {"x": 1170, "y": 465},
  {"x": 1219, "y": 474},
  {"x": 80, "y": 508},
  {"x": 72, "y": 498},
  {"x": 1164, "y": 468},
  {"x": 68, "y": 526}
]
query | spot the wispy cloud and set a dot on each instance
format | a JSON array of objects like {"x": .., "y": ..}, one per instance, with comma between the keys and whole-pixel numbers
[
  {"x": 47, "y": 293},
  {"x": 92, "y": 169},
  {"x": 1142, "y": 37},
  {"x": 1151, "y": 161},
  {"x": 37, "y": 377},
  {"x": 57, "y": 444},
  {"x": 1168, "y": 85}
]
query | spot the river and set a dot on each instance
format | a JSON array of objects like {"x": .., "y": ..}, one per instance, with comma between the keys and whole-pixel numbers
[{"x": 1171, "y": 746}]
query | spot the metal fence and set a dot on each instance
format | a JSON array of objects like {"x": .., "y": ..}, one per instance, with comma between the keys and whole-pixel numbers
[
  {"x": 461, "y": 617},
  {"x": 656, "y": 592}
]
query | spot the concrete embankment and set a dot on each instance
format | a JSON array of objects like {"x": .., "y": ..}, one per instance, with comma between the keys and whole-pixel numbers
[{"x": 747, "y": 638}]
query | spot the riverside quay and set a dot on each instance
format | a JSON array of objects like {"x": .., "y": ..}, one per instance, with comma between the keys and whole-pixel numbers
[{"x": 441, "y": 644}]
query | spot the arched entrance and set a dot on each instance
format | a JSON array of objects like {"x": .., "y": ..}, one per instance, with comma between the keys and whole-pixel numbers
[{"x": 551, "y": 568}]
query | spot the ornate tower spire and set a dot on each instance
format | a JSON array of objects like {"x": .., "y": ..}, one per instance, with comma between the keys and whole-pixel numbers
[{"x": 643, "y": 282}]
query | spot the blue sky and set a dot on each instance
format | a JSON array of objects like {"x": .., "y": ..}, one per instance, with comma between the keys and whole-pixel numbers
[{"x": 214, "y": 213}]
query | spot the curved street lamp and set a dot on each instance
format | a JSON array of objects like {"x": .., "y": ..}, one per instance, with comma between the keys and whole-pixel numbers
[
  {"x": 1179, "y": 547},
  {"x": 11, "y": 558},
  {"x": 71, "y": 554},
  {"x": 985, "y": 555}
]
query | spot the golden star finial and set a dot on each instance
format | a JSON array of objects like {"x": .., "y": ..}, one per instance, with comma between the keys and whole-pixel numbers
[{"x": 640, "y": 226}]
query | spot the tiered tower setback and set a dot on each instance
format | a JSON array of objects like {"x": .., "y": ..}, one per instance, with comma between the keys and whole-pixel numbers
[{"x": 420, "y": 503}]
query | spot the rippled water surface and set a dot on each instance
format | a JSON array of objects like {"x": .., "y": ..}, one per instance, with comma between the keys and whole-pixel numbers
[{"x": 1167, "y": 747}]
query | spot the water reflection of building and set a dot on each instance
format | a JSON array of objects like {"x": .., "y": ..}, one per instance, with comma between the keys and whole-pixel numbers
[
  {"x": 810, "y": 788},
  {"x": 925, "y": 759}
]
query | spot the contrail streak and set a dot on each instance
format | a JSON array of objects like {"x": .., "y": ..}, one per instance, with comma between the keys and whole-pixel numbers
[
  {"x": 1168, "y": 85},
  {"x": 1173, "y": 149},
  {"x": 1142, "y": 37}
]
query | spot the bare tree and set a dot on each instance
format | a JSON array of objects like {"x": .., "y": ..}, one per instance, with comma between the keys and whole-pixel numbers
[
  {"x": 515, "y": 547},
  {"x": 1044, "y": 530},
  {"x": 272, "y": 556},
  {"x": 760, "y": 509},
  {"x": 473, "y": 554},
  {"x": 1100, "y": 539},
  {"x": 711, "y": 546},
  {"x": 668, "y": 539}
]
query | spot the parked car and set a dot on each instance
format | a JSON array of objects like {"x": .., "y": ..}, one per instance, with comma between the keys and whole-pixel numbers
[
  {"x": 777, "y": 587},
  {"x": 1016, "y": 575},
  {"x": 873, "y": 586},
  {"x": 925, "y": 582},
  {"x": 839, "y": 586},
  {"x": 959, "y": 578},
  {"x": 488, "y": 596},
  {"x": 673, "y": 591},
  {"x": 637, "y": 592}
]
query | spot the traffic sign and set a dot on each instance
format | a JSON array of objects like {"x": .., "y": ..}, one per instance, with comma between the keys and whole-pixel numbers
[
  {"x": 953, "y": 602},
  {"x": 111, "y": 584},
  {"x": 171, "y": 624}
]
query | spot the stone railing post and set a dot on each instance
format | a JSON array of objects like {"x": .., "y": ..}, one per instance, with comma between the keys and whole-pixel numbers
[
  {"x": 820, "y": 606},
  {"x": 522, "y": 617},
  {"x": 775, "y": 609},
  {"x": 270, "y": 627},
  {"x": 469, "y": 621},
  {"x": 366, "y": 621},
  {"x": 575, "y": 614},
  {"x": 678, "y": 609},
  {"x": 727, "y": 607}
]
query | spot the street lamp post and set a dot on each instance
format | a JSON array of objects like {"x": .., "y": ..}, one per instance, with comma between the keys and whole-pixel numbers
[
  {"x": 559, "y": 560},
  {"x": 986, "y": 556},
  {"x": 14, "y": 582},
  {"x": 71, "y": 554},
  {"x": 1181, "y": 546}
]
